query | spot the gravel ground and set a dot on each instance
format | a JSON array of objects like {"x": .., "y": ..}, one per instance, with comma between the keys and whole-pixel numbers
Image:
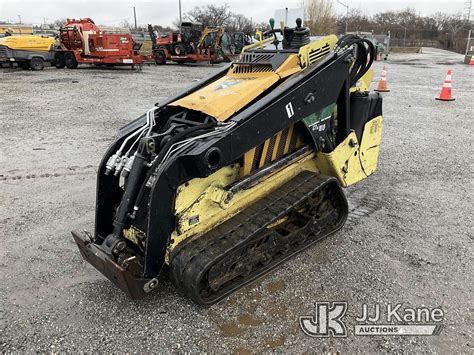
[{"x": 415, "y": 248}]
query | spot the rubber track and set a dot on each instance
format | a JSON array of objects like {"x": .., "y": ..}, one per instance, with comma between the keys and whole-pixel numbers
[{"x": 197, "y": 256}]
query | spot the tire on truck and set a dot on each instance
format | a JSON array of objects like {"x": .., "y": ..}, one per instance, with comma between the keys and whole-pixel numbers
[
  {"x": 70, "y": 60},
  {"x": 37, "y": 63},
  {"x": 179, "y": 49},
  {"x": 160, "y": 57},
  {"x": 59, "y": 61}
]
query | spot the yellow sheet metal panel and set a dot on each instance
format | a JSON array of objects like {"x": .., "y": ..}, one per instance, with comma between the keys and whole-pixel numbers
[
  {"x": 205, "y": 212},
  {"x": 202, "y": 204},
  {"x": 288, "y": 139},
  {"x": 314, "y": 51},
  {"x": 370, "y": 144},
  {"x": 364, "y": 83},
  {"x": 241, "y": 85},
  {"x": 350, "y": 162},
  {"x": 190, "y": 191},
  {"x": 343, "y": 162},
  {"x": 248, "y": 162},
  {"x": 277, "y": 144},
  {"x": 264, "y": 153},
  {"x": 290, "y": 66},
  {"x": 222, "y": 98},
  {"x": 28, "y": 43}
]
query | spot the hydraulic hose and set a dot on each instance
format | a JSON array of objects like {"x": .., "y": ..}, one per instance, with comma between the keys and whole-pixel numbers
[
  {"x": 365, "y": 54},
  {"x": 134, "y": 182},
  {"x": 166, "y": 147}
]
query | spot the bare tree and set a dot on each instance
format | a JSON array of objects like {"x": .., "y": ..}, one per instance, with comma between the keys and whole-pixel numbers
[
  {"x": 221, "y": 16},
  {"x": 176, "y": 23},
  {"x": 357, "y": 21},
  {"x": 407, "y": 17},
  {"x": 210, "y": 15},
  {"x": 451, "y": 28},
  {"x": 385, "y": 20},
  {"x": 262, "y": 26},
  {"x": 239, "y": 23},
  {"x": 320, "y": 16},
  {"x": 451, "y": 23},
  {"x": 125, "y": 24},
  {"x": 58, "y": 23}
]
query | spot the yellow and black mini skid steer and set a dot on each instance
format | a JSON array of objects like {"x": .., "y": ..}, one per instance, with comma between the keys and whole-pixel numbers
[{"x": 236, "y": 174}]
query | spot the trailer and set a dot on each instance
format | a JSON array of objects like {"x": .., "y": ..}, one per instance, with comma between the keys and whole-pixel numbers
[
  {"x": 191, "y": 45},
  {"x": 82, "y": 42}
]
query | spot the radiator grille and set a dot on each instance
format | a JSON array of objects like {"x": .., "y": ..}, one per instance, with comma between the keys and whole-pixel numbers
[
  {"x": 3, "y": 52},
  {"x": 318, "y": 53},
  {"x": 253, "y": 63},
  {"x": 255, "y": 58},
  {"x": 245, "y": 69}
]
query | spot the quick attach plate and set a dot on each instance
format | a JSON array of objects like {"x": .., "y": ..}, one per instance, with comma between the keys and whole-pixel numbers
[{"x": 134, "y": 287}]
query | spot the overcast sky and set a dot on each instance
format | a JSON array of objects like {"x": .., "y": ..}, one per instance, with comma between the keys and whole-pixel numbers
[{"x": 163, "y": 12}]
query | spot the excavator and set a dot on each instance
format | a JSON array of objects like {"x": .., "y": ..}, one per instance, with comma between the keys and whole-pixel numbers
[
  {"x": 225, "y": 181},
  {"x": 190, "y": 46}
]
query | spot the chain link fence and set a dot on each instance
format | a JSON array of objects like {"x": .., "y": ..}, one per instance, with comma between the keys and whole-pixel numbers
[{"x": 419, "y": 38}]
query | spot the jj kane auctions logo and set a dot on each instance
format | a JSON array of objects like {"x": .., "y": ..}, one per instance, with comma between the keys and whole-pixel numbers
[{"x": 388, "y": 319}]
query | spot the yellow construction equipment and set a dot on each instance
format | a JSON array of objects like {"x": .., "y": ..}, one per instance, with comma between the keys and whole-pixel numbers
[
  {"x": 236, "y": 174},
  {"x": 28, "y": 51},
  {"x": 16, "y": 29}
]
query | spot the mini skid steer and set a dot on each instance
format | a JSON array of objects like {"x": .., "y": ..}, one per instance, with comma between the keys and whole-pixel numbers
[{"x": 225, "y": 181}]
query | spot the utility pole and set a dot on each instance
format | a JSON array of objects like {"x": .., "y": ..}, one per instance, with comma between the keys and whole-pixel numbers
[
  {"x": 135, "y": 17},
  {"x": 467, "y": 10},
  {"x": 19, "y": 19},
  {"x": 180, "y": 19},
  {"x": 467, "y": 14},
  {"x": 468, "y": 42},
  {"x": 347, "y": 12}
]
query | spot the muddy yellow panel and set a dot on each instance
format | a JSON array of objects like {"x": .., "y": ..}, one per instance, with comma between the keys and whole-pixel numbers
[
  {"x": 224, "y": 97},
  {"x": 352, "y": 161},
  {"x": 242, "y": 83}
]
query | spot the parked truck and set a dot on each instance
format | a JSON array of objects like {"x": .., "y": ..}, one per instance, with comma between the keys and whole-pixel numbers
[{"x": 27, "y": 51}]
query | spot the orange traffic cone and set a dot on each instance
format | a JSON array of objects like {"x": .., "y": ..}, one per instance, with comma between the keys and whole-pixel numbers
[
  {"x": 471, "y": 62},
  {"x": 382, "y": 85},
  {"x": 445, "y": 94}
]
